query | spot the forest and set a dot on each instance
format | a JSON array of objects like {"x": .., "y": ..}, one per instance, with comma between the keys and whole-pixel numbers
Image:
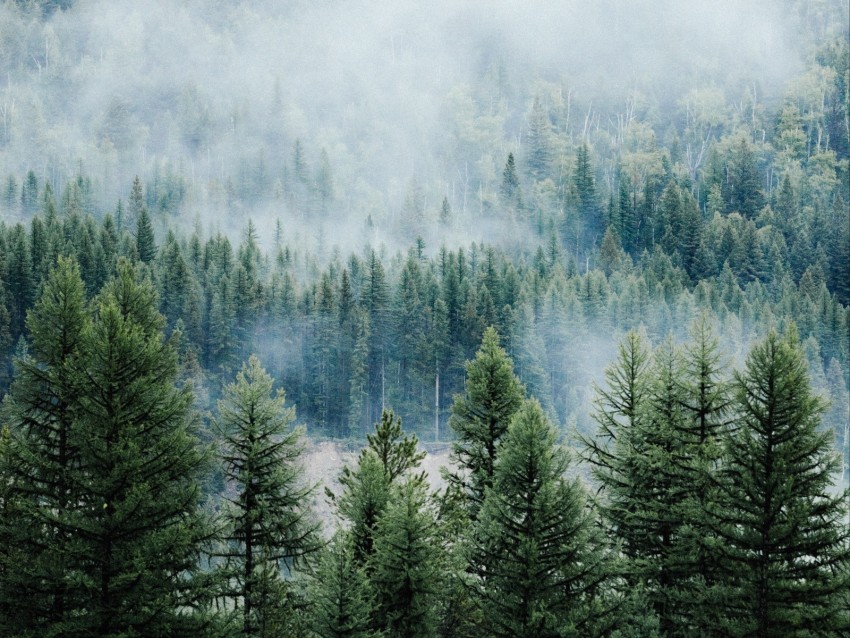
[{"x": 595, "y": 254}]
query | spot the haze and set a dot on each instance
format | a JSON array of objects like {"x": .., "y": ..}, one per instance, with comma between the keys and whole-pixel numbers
[{"x": 209, "y": 90}]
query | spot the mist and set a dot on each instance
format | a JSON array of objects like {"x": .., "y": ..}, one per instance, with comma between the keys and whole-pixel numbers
[{"x": 208, "y": 92}]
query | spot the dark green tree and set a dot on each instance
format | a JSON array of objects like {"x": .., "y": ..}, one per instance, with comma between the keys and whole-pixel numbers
[
  {"x": 480, "y": 418},
  {"x": 742, "y": 189},
  {"x": 135, "y": 527},
  {"x": 40, "y": 461},
  {"x": 618, "y": 413},
  {"x": 539, "y": 141},
  {"x": 784, "y": 533},
  {"x": 539, "y": 557},
  {"x": 145, "y": 242},
  {"x": 407, "y": 564},
  {"x": 268, "y": 525},
  {"x": 29, "y": 194},
  {"x": 584, "y": 183},
  {"x": 342, "y": 597},
  {"x": 510, "y": 191},
  {"x": 389, "y": 455}
]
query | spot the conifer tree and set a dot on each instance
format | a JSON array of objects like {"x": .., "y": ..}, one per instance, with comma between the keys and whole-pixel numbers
[
  {"x": 480, "y": 418},
  {"x": 40, "y": 460},
  {"x": 538, "y": 556},
  {"x": 145, "y": 243},
  {"x": 134, "y": 526},
  {"x": 341, "y": 595},
  {"x": 268, "y": 526},
  {"x": 706, "y": 403},
  {"x": 388, "y": 457},
  {"x": 407, "y": 563},
  {"x": 784, "y": 532},
  {"x": 510, "y": 191},
  {"x": 619, "y": 414},
  {"x": 539, "y": 142},
  {"x": 29, "y": 194}
]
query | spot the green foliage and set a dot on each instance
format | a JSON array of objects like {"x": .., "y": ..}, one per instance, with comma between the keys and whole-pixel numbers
[
  {"x": 112, "y": 449},
  {"x": 407, "y": 563},
  {"x": 536, "y": 552},
  {"x": 145, "y": 243},
  {"x": 480, "y": 418},
  {"x": 784, "y": 534},
  {"x": 39, "y": 460},
  {"x": 396, "y": 452},
  {"x": 366, "y": 489},
  {"x": 341, "y": 594},
  {"x": 268, "y": 527}
]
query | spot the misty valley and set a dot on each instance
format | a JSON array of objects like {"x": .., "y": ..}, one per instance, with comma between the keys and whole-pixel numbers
[{"x": 417, "y": 320}]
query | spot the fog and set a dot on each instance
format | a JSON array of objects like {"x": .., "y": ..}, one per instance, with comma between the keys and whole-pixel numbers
[{"x": 209, "y": 92}]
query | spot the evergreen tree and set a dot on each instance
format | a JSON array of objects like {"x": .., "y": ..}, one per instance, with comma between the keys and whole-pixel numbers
[
  {"x": 445, "y": 212},
  {"x": 389, "y": 456},
  {"x": 784, "y": 534},
  {"x": 619, "y": 414},
  {"x": 584, "y": 183},
  {"x": 40, "y": 460},
  {"x": 10, "y": 196},
  {"x": 376, "y": 303},
  {"x": 342, "y": 596},
  {"x": 145, "y": 243},
  {"x": 134, "y": 527},
  {"x": 480, "y": 418},
  {"x": 706, "y": 402},
  {"x": 407, "y": 563},
  {"x": 539, "y": 560},
  {"x": 268, "y": 526},
  {"x": 510, "y": 191},
  {"x": 539, "y": 142},
  {"x": 742, "y": 190}
]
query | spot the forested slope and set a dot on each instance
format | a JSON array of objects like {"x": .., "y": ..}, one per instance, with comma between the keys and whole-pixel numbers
[{"x": 560, "y": 254}]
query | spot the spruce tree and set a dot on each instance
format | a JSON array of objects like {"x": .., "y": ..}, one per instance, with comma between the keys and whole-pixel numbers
[
  {"x": 480, "y": 418},
  {"x": 341, "y": 595},
  {"x": 406, "y": 566},
  {"x": 510, "y": 191},
  {"x": 388, "y": 457},
  {"x": 145, "y": 243},
  {"x": 706, "y": 402},
  {"x": 134, "y": 523},
  {"x": 539, "y": 559},
  {"x": 40, "y": 459},
  {"x": 784, "y": 531},
  {"x": 268, "y": 526},
  {"x": 538, "y": 141},
  {"x": 619, "y": 414}
]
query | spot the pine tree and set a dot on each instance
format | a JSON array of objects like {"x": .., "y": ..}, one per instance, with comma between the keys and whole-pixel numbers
[
  {"x": 584, "y": 183},
  {"x": 619, "y": 414},
  {"x": 40, "y": 460},
  {"x": 376, "y": 303},
  {"x": 133, "y": 527},
  {"x": 342, "y": 596},
  {"x": 389, "y": 456},
  {"x": 480, "y": 418},
  {"x": 445, "y": 212},
  {"x": 145, "y": 243},
  {"x": 539, "y": 141},
  {"x": 29, "y": 194},
  {"x": 743, "y": 188},
  {"x": 407, "y": 563},
  {"x": 510, "y": 191},
  {"x": 268, "y": 526},
  {"x": 656, "y": 521},
  {"x": 784, "y": 533},
  {"x": 537, "y": 554}
]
